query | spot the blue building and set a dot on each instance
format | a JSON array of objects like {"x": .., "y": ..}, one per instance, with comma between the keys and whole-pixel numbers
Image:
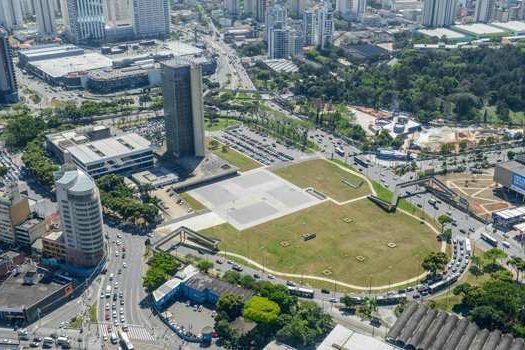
[{"x": 196, "y": 287}]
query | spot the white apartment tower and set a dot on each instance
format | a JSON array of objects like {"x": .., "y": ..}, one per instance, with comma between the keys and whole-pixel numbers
[
  {"x": 250, "y": 7},
  {"x": 279, "y": 43},
  {"x": 275, "y": 18},
  {"x": 81, "y": 216},
  {"x": 11, "y": 15},
  {"x": 45, "y": 17},
  {"x": 311, "y": 27},
  {"x": 151, "y": 18},
  {"x": 14, "y": 209},
  {"x": 84, "y": 20},
  {"x": 351, "y": 9},
  {"x": 484, "y": 10},
  {"x": 119, "y": 12},
  {"x": 326, "y": 24},
  {"x": 439, "y": 13}
]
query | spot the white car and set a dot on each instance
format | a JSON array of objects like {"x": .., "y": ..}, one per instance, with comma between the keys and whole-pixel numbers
[{"x": 124, "y": 265}]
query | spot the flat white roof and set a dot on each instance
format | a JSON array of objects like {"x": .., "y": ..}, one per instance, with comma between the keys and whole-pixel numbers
[
  {"x": 520, "y": 227},
  {"x": 440, "y": 32},
  {"x": 182, "y": 49},
  {"x": 511, "y": 213},
  {"x": 59, "y": 67},
  {"x": 343, "y": 338},
  {"x": 512, "y": 26},
  {"x": 116, "y": 146},
  {"x": 479, "y": 29}
]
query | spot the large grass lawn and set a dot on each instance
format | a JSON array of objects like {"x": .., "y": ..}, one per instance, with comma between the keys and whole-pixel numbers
[
  {"x": 337, "y": 243},
  {"x": 238, "y": 159},
  {"x": 325, "y": 177}
]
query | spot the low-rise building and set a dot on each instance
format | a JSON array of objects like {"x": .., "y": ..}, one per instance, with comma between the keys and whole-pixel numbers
[
  {"x": 14, "y": 209},
  {"x": 96, "y": 151},
  {"x": 30, "y": 230},
  {"x": 54, "y": 246}
]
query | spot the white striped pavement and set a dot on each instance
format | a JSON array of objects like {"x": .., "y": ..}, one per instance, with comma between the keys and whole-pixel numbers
[{"x": 138, "y": 333}]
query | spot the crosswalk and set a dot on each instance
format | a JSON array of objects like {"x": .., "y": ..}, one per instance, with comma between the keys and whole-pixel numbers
[{"x": 138, "y": 333}]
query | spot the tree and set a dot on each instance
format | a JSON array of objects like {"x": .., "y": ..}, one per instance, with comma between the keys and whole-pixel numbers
[
  {"x": 349, "y": 301},
  {"x": 261, "y": 310},
  {"x": 487, "y": 317},
  {"x": 204, "y": 265},
  {"x": 462, "y": 288},
  {"x": 493, "y": 255},
  {"x": 232, "y": 277},
  {"x": 231, "y": 305},
  {"x": 279, "y": 294},
  {"x": 434, "y": 261}
]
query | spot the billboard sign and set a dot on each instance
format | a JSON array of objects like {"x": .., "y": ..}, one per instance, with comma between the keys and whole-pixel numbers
[{"x": 518, "y": 183}]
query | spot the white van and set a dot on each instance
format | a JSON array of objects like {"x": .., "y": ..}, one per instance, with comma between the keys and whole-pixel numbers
[
  {"x": 505, "y": 244},
  {"x": 111, "y": 277},
  {"x": 62, "y": 340},
  {"x": 48, "y": 341}
]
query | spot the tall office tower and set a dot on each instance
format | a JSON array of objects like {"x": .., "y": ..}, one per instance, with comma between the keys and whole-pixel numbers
[
  {"x": 484, "y": 10},
  {"x": 14, "y": 209},
  {"x": 119, "y": 12},
  {"x": 183, "y": 108},
  {"x": 326, "y": 24},
  {"x": 296, "y": 42},
  {"x": 45, "y": 17},
  {"x": 351, "y": 9},
  {"x": 81, "y": 216},
  {"x": 295, "y": 7},
  {"x": 151, "y": 18},
  {"x": 311, "y": 27},
  {"x": 232, "y": 7},
  {"x": 260, "y": 11},
  {"x": 250, "y": 7},
  {"x": 439, "y": 13},
  {"x": 11, "y": 15},
  {"x": 279, "y": 43},
  {"x": 275, "y": 18},
  {"x": 8, "y": 84},
  {"x": 84, "y": 20},
  {"x": 28, "y": 7}
]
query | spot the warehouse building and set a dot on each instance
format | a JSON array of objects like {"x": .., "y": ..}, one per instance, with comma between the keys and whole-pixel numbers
[
  {"x": 508, "y": 218},
  {"x": 96, "y": 151},
  {"x": 511, "y": 176}
]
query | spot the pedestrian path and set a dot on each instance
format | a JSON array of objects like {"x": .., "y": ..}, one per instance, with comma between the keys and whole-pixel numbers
[{"x": 134, "y": 332}]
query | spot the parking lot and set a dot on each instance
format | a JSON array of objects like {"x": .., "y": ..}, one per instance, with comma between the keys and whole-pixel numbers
[
  {"x": 152, "y": 130},
  {"x": 259, "y": 146},
  {"x": 187, "y": 318}
]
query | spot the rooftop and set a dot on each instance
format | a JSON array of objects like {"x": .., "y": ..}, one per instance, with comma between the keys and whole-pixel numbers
[
  {"x": 479, "y": 29},
  {"x": 282, "y": 65},
  {"x": 63, "y": 66},
  {"x": 202, "y": 282},
  {"x": 55, "y": 236},
  {"x": 421, "y": 327},
  {"x": 42, "y": 52},
  {"x": 182, "y": 49},
  {"x": 116, "y": 146},
  {"x": 512, "y": 26},
  {"x": 442, "y": 32},
  {"x": 510, "y": 213},
  {"x": 14, "y": 294},
  {"x": 26, "y": 225},
  {"x": 514, "y": 166},
  {"x": 343, "y": 338}
]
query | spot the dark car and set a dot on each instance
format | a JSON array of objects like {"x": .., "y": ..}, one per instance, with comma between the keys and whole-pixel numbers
[{"x": 325, "y": 291}]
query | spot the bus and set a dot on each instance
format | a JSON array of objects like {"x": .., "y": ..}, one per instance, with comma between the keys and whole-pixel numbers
[
  {"x": 489, "y": 239},
  {"x": 301, "y": 292},
  {"x": 339, "y": 150},
  {"x": 124, "y": 340},
  {"x": 468, "y": 247}
]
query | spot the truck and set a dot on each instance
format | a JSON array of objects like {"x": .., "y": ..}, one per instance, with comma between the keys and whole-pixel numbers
[{"x": 108, "y": 291}]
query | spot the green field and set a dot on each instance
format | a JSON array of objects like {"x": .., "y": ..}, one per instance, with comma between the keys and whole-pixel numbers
[
  {"x": 220, "y": 123},
  {"x": 325, "y": 177},
  {"x": 192, "y": 202},
  {"x": 238, "y": 159},
  {"x": 337, "y": 243}
]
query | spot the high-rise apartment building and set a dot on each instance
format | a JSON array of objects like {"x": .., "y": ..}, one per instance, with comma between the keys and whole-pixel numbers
[
  {"x": 14, "y": 209},
  {"x": 8, "y": 84},
  {"x": 311, "y": 27},
  {"x": 326, "y": 24},
  {"x": 439, "y": 13},
  {"x": 45, "y": 17},
  {"x": 151, "y": 18},
  {"x": 296, "y": 43},
  {"x": 250, "y": 7},
  {"x": 351, "y": 9},
  {"x": 183, "y": 109},
  {"x": 81, "y": 215},
  {"x": 260, "y": 10},
  {"x": 119, "y": 13},
  {"x": 279, "y": 43},
  {"x": 232, "y": 7},
  {"x": 484, "y": 10},
  {"x": 276, "y": 16},
  {"x": 28, "y": 7},
  {"x": 11, "y": 15},
  {"x": 84, "y": 20}
]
